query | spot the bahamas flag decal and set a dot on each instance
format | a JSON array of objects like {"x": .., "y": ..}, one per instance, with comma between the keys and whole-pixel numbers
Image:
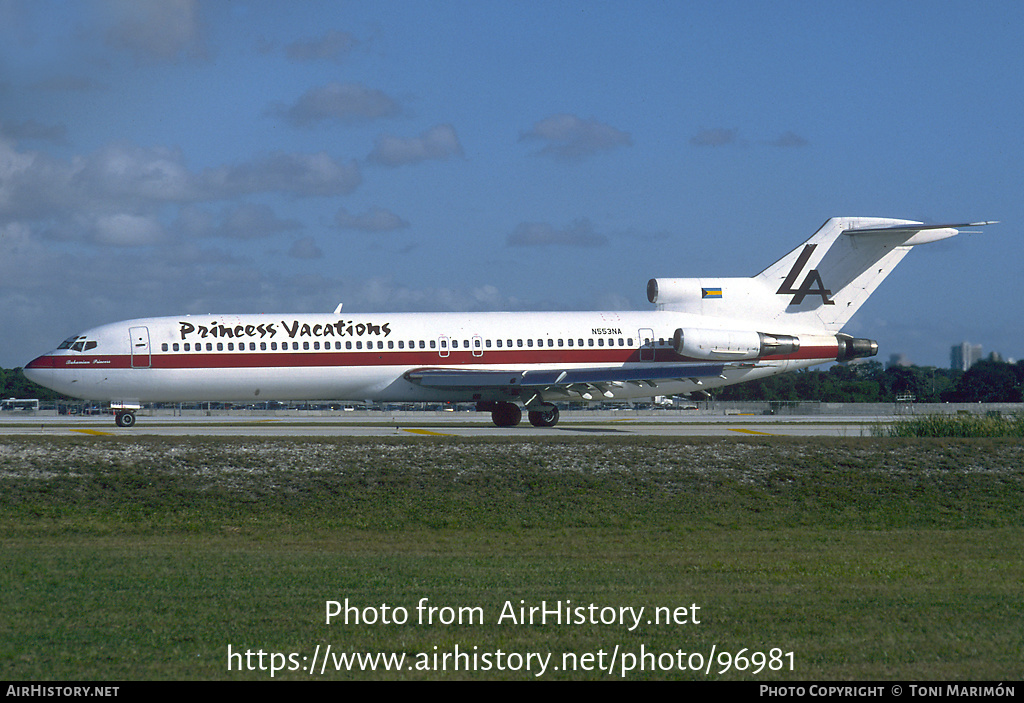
[{"x": 710, "y": 292}]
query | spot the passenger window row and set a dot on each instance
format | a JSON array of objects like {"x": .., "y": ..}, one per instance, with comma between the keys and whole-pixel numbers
[{"x": 444, "y": 344}]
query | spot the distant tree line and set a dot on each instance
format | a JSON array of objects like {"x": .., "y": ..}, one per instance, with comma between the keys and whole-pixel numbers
[
  {"x": 865, "y": 382},
  {"x": 870, "y": 382}
]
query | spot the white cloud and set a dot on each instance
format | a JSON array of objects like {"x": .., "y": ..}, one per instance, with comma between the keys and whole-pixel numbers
[
  {"x": 437, "y": 143},
  {"x": 157, "y": 30},
  {"x": 789, "y": 140},
  {"x": 124, "y": 176},
  {"x": 532, "y": 234},
  {"x": 243, "y": 221},
  {"x": 194, "y": 222},
  {"x": 119, "y": 176},
  {"x": 347, "y": 103},
  {"x": 128, "y": 230},
  {"x": 297, "y": 174},
  {"x": 572, "y": 138},
  {"x": 128, "y": 171},
  {"x": 21, "y": 174},
  {"x": 24, "y": 260},
  {"x": 124, "y": 195},
  {"x": 305, "y": 248},
  {"x": 254, "y": 221},
  {"x": 715, "y": 137},
  {"x": 373, "y": 220}
]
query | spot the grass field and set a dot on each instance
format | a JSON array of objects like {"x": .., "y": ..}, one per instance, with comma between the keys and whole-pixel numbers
[
  {"x": 866, "y": 558},
  {"x": 989, "y": 425}
]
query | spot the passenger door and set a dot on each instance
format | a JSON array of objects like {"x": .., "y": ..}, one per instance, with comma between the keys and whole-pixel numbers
[{"x": 142, "y": 356}]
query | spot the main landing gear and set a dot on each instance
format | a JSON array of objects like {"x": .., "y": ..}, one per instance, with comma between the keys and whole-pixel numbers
[
  {"x": 504, "y": 414},
  {"x": 547, "y": 416},
  {"x": 125, "y": 418}
]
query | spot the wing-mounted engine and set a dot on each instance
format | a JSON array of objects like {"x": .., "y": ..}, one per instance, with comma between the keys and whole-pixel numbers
[{"x": 709, "y": 344}]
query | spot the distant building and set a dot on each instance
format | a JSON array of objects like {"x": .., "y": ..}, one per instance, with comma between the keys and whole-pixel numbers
[{"x": 962, "y": 356}]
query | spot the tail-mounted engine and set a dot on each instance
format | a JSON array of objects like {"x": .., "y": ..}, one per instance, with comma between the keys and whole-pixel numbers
[
  {"x": 854, "y": 348},
  {"x": 740, "y": 345},
  {"x": 732, "y": 344}
]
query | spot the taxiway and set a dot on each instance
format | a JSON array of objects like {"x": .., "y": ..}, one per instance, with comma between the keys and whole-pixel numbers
[{"x": 446, "y": 424}]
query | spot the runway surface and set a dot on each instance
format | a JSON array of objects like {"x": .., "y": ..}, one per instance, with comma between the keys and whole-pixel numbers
[{"x": 446, "y": 424}]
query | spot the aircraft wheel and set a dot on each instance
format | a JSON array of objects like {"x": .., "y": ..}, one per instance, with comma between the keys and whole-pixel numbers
[
  {"x": 125, "y": 419},
  {"x": 506, "y": 415},
  {"x": 548, "y": 417}
]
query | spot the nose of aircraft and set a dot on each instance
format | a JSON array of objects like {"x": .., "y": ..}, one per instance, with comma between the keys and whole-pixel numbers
[{"x": 38, "y": 370}]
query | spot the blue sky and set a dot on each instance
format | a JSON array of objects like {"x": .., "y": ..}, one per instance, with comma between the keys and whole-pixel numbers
[{"x": 165, "y": 157}]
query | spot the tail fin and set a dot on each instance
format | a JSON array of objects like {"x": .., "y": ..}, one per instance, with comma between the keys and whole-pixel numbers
[
  {"x": 817, "y": 286},
  {"x": 824, "y": 282}
]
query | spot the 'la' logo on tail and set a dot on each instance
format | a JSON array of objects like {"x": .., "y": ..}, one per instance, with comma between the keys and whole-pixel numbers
[{"x": 812, "y": 278}]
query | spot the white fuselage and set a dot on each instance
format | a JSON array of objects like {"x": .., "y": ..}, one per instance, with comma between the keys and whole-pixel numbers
[
  {"x": 706, "y": 333},
  {"x": 365, "y": 357}
]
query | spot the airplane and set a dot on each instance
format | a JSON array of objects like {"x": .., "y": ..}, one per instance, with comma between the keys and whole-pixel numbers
[{"x": 703, "y": 333}]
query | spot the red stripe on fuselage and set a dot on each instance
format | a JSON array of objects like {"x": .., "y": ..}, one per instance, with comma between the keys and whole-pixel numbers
[{"x": 408, "y": 358}]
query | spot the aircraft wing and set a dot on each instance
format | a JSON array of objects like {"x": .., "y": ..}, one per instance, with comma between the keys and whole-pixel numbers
[{"x": 577, "y": 380}]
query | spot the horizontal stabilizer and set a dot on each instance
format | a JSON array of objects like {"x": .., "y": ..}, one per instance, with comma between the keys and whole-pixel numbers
[
  {"x": 823, "y": 282},
  {"x": 910, "y": 229}
]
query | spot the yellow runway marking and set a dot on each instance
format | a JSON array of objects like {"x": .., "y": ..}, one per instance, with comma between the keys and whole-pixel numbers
[
  {"x": 95, "y": 432},
  {"x": 439, "y": 434},
  {"x": 733, "y": 429}
]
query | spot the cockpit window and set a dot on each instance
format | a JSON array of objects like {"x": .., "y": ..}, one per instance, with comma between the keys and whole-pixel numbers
[{"x": 77, "y": 344}]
